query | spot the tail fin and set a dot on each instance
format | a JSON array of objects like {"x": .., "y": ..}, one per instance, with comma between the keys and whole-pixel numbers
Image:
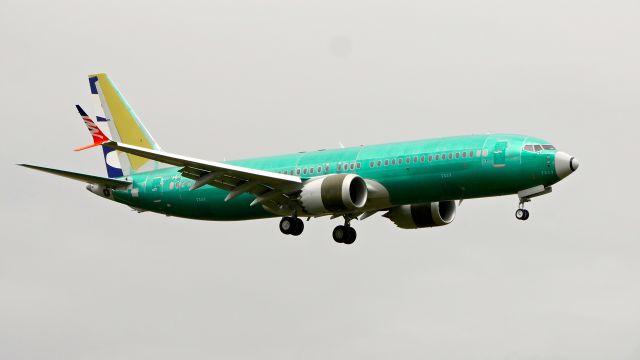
[
  {"x": 114, "y": 169},
  {"x": 124, "y": 124}
]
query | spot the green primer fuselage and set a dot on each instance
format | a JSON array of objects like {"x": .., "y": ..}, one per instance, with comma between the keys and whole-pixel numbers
[{"x": 474, "y": 166}]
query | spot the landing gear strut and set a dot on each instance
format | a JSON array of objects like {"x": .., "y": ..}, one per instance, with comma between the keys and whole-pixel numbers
[
  {"x": 291, "y": 226},
  {"x": 522, "y": 213},
  {"x": 345, "y": 234}
]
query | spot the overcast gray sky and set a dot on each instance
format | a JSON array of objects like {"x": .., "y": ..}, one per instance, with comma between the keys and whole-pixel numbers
[{"x": 84, "y": 278}]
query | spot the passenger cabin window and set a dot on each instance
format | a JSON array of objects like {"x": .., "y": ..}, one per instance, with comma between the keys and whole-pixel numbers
[
  {"x": 415, "y": 159},
  {"x": 386, "y": 162},
  {"x": 400, "y": 161},
  {"x": 311, "y": 170},
  {"x": 422, "y": 158},
  {"x": 379, "y": 163},
  {"x": 358, "y": 166}
]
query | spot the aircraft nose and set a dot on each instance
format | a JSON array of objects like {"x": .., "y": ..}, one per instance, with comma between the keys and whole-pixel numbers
[{"x": 565, "y": 164}]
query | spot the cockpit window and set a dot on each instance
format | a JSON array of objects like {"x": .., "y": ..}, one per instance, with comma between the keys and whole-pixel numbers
[{"x": 538, "y": 148}]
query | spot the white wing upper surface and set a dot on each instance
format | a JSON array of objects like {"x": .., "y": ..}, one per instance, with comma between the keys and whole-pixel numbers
[{"x": 267, "y": 186}]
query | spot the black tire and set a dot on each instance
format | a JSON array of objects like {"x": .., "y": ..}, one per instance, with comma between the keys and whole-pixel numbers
[
  {"x": 298, "y": 228},
  {"x": 520, "y": 214},
  {"x": 526, "y": 215},
  {"x": 287, "y": 225},
  {"x": 352, "y": 236},
  {"x": 340, "y": 233}
]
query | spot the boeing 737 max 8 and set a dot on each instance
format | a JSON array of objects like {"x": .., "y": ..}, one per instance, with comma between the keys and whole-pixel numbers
[{"x": 414, "y": 184}]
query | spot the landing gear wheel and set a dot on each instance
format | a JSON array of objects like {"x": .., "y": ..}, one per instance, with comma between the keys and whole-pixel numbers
[
  {"x": 291, "y": 226},
  {"x": 344, "y": 234},
  {"x": 287, "y": 225},
  {"x": 352, "y": 236},
  {"x": 298, "y": 228},
  {"x": 340, "y": 233},
  {"x": 522, "y": 214}
]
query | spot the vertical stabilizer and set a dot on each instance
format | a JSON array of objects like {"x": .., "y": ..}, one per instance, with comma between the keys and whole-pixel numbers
[{"x": 124, "y": 124}]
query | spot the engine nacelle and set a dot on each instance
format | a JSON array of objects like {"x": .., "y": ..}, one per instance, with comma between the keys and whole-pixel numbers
[
  {"x": 423, "y": 215},
  {"x": 334, "y": 193}
]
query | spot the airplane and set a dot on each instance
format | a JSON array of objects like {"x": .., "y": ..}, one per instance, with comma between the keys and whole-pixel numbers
[{"x": 415, "y": 184}]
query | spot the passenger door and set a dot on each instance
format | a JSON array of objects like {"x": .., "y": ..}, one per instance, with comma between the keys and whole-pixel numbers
[{"x": 500, "y": 154}]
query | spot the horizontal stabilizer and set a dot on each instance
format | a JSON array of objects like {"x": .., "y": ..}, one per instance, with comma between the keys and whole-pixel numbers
[{"x": 90, "y": 179}]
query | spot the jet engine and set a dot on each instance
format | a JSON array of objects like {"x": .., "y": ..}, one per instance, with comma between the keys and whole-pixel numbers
[
  {"x": 334, "y": 193},
  {"x": 423, "y": 215}
]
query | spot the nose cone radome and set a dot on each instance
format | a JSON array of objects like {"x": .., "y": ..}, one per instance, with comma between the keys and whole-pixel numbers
[{"x": 565, "y": 164}]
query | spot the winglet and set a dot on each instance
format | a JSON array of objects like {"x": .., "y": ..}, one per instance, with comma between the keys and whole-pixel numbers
[{"x": 99, "y": 137}]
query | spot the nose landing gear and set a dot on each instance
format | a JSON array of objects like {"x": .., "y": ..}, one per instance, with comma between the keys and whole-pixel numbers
[{"x": 522, "y": 213}]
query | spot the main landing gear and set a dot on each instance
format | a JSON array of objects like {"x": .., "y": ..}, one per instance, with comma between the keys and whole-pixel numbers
[
  {"x": 522, "y": 213},
  {"x": 345, "y": 234},
  {"x": 291, "y": 226}
]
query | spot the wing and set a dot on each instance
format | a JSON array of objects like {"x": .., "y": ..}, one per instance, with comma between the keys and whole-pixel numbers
[{"x": 273, "y": 190}]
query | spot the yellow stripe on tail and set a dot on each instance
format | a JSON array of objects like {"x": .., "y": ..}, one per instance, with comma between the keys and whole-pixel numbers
[{"x": 124, "y": 124}]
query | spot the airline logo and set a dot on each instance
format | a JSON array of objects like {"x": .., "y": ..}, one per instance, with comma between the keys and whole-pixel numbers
[
  {"x": 99, "y": 137},
  {"x": 97, "y": 134}
]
